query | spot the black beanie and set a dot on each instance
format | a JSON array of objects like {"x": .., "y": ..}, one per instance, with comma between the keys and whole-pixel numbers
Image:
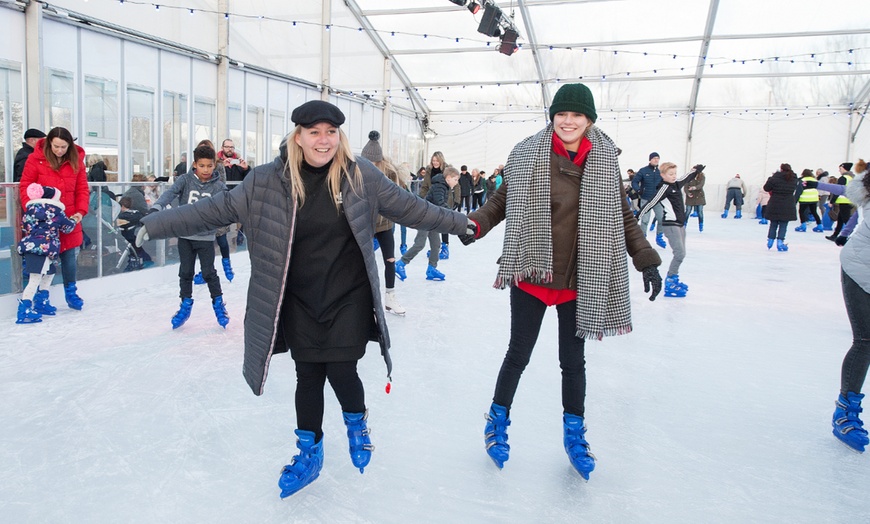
[
  {"x": 847, "y": 166},
  {"x": 576, "y": 98},
  {"x": 372, "y": 150}
]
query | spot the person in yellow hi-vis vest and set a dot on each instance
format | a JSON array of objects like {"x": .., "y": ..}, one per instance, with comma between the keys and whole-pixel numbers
[
  {"x": 844, "y": 204},
  {"x": 808, "y": 202}
]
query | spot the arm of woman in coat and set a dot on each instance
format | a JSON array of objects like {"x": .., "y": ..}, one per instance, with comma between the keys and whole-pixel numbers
[
  {"x": 491, "y": 213},
  {"x": 834, "y": 189}
]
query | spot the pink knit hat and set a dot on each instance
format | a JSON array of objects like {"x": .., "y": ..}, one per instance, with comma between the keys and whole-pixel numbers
[{"x": 37, "y": 191}]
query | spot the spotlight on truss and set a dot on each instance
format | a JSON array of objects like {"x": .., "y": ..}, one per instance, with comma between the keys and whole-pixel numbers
[
  {"x": 508, "y": 42},
  {"x": 473, "y": 6}
]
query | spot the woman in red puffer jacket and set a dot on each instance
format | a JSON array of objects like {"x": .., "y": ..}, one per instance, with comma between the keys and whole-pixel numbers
[{"x": 57, "y": 162}]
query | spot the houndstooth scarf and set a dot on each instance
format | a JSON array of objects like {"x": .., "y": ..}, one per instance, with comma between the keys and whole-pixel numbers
[{"x": 603, "y": 306}]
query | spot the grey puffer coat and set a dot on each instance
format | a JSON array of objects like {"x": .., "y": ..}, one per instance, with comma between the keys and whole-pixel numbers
[{"x": 265, "y": 206}]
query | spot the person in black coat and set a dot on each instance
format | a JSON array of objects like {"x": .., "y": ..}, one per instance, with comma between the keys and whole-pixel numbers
[
  {"x": 781, "y": 207},
  {"x": 31, "y": 136}
]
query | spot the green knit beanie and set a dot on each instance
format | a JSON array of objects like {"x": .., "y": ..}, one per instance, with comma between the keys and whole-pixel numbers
[{"x": 576, "y": 98}]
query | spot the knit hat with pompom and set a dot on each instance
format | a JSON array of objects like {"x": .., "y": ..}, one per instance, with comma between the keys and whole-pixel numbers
[
  {"x": 35, "y": 191},
  {"x": 372, "y": 150}
]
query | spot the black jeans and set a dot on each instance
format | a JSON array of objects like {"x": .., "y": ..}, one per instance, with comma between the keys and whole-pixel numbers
[
  {"x": 857, "y": 360},
  {"x": 777, "y": 229},
  {"x": 387, "y": 242},
  {"x": 310, "y": 379},
  {"x": 188, "y": 251},
  {"x": 527, "y": 313},
  {"x": 805, "y": 209}
]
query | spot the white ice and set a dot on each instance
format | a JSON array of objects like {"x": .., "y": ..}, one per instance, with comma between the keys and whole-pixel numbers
[{"x": 717, "y": 407}]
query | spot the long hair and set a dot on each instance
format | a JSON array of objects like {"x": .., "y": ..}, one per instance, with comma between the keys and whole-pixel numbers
[
  {"x": 442, "y": 163},
  {"x": 392, "y": 172},
  {"x": 337, "y": 170},
  {"x": 807, "y": 172},
  {"x": 72, "y": 153},
  {"x": 786, "y": 170}
]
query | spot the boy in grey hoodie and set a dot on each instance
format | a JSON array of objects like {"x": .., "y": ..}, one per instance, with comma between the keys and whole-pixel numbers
[{"x": 201, "y": 181}]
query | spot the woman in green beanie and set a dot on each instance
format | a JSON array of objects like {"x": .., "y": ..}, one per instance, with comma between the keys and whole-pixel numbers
[{"x": 568, "y": 226}]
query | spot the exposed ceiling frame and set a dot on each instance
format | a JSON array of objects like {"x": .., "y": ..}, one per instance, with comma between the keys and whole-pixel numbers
[
  {"x": 448, "y": 8},
  {"x": 702, "y": 61},
  {"x": 533, "y": 40},
  {"x": 416, "y": 99}
]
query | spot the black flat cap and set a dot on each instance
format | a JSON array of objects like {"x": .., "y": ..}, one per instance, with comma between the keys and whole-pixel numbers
[
  {"x": 315, "y": 111},
  {"x": 33, "y": 133}
]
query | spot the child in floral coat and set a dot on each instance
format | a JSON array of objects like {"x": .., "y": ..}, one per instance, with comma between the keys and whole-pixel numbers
[{"x": 43, "y": 221}]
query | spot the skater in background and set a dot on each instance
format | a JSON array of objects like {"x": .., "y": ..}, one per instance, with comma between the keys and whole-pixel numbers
[
  {"x": 384, "y": 234},
  {"x": 646, "y": 182},
  {"x": 42, "y": 223},
  {"x": 58, "y": 162},
  {"x": 843, "y": 204},
  {"x": 735, "y": 192},
  {"x": 314, "y": 288},
  {"x": 478, "y": 195},
  {"x": 441, "y": 187},
  {"x": 761, "y": 202},
  {"x": 855, "y": 277},
  {"x": 696, "y": 199},
  {"x": 808, "y": 203},
  {"x": 670, "y": 197},
  {"x": 200, "y": 183},
  {"x": 568, "y": 226},
  {"x": 780, "y": 209},
  {"x": 436, "y": 166}
]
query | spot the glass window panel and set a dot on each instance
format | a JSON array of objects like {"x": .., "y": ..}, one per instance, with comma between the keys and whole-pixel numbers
[
  {"x": 101, "y": 110},
  {"x": 255, "y": 139},
  {"x": 234, "y": 114},
  {"x": 141, "y": 107},
  {"x": 59, "y": 98},
  {"x": 175, "y": 130},
  {"x": 204, "y": 120},
  {"x": 276, "y": 132}
]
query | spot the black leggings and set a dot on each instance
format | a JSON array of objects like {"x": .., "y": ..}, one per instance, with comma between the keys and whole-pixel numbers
[
  {"x": 188, "y": 252},
  {"x": 310, "y": 379},
  {"x": 387, "y": 242},
  {"x": 527, "y": 313},
  {"x": 857, "y": 360},
  {"x": 843, "y": 216},
  {"x": 809, "y": 208}
]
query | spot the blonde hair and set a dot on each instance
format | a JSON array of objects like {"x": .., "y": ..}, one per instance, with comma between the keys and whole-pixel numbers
[
  {"x": 442, "y": 163},
  {"x": 667, "y": 165},
  {"x": 337, "y": 170},
  {"x": 392, "y": 172},
  {"x": 91, "y": 160},
  {"x": 450, "y": 171}
]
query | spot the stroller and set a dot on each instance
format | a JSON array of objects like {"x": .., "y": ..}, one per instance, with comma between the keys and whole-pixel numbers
[{"x": 132, "y": 258}]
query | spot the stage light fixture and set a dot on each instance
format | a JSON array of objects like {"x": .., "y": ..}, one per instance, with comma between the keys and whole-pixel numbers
[
  {"x": 460, "y": 3},
  {"x": 474, "y": 7},
  {"x": 490, "y": 20},
  {"x": 508, "y": 42}
]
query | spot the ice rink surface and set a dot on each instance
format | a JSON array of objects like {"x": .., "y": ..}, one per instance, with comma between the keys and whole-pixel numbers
[{"x": 717, "y": 408}]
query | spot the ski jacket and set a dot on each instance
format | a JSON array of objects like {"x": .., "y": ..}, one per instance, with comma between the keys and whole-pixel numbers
[
  {"x": 265, "y": 206},
  {"x": 781, "y": 204},
  {"x": 42, "y": 224},
  {"x": 646, "y": 181},
  {"x": 671, "y": 198},
  {"x": 73, "y": 185},
  {"x": 695, "y": 191},
  {"x": 21, "y": 159},
  {"x": 188, "y": 189},
  {"x": 855, "y": 255}
]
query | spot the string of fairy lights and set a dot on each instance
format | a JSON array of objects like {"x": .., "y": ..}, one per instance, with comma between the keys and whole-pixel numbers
[{"x": 839, "y": 58}]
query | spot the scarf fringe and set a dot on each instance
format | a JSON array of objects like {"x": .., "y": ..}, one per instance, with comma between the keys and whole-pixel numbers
[
  {"x": 543, "y": 276},
  {"x": 599, "y": 335}
]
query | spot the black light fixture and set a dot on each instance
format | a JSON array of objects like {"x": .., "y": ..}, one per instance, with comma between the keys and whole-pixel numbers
[
  {"x": 473, "y": 6},
  {"x": 460, "y": 3},
  {"x": 490, "y": 20},
  {"x": 508, "y": 42}
]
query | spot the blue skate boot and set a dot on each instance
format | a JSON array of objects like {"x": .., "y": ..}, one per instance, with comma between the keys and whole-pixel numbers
[
  {"x": 434, "y": 274},
  {"x": 26, "y": 313},
  {"x": 576, "y": 445},
  {"x": 183, "y": 313},
  {"x": 198, "y": 280},
  {"x": 495, "y": 433},
  {"x": 220, "y": 311},
  {"x": 677, "y": 282},
  {"x": 444, "y": 254},
  {"x": 818, "y": 229},
  {"x": 228, "y": 269},
  {"x": 701, "y": 227},
  {"x": 770, "y": 242},
  {"x": 781, "y": 245},
  {"x": 801, "y": 228},
  {"x": 72, "y": 299},
  {"x": 400, "y": 270},
  {"x": 360, "y": 445},
  {"x": 763, "y": 222},
  {"x": 305, "y": 467},
  {"x": 672, "y": 287},
  {"x": 660, "y": 240},
  {"x": 848, "y": 427},
  {"x": 738, "y": 214},
  {"x": 725, "y": 214},
  {"x": 376, "y": 244},
  {"x": 403, "y": 248},
  {"x": 41, "y": 304}
]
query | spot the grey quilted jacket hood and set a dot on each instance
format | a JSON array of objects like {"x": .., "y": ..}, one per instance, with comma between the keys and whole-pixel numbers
[{"x": 264, "y": 205}]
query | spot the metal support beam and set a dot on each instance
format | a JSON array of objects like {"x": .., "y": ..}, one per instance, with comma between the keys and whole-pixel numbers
[
  {"x": 325, "y": 50},
  {"x": 702, "y": 61},
  {"x": 416, "y": 99},
  {"x": 223, "y": 73},
  {"x": 862, "y": 98},
  {"x": 533, "y": 41},
  {"x": 33, "y": 65}
]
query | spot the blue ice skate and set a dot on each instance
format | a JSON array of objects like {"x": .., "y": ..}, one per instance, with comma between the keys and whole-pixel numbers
[
  {"x": 660, "y": 240},
  {"x": 434, "y": 274},
  {"x": 72, "y": 299},
  {"x": 403, "y": 248},
  {"x": 444, "y": 254},
  {"x": 738, "y": 214},
  {"x": 400, "y": 270},
  {"x": 305, "y": 467},
  {"x": 198, "y": 280},
  {"x": 848, "y": 427},
  {"x": 375, "y": 244},
  {"x": 801, "y": 228},
  {"x": 495, "y": 434},
  {"x": 781, "y": 245},
  {"x": 220, "y": 311},
  {"x": 770, "y": 242},
  {"x": 26, "y": 313},
  {"x": 183, "y": 313},
  {"x": 360, "y": 446},
  {"x": 228, "y": 269},
  {"x": 576, "y": 445},
  {"x": 41, "y": 304},
  {"x": 673, "y": 288}
]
